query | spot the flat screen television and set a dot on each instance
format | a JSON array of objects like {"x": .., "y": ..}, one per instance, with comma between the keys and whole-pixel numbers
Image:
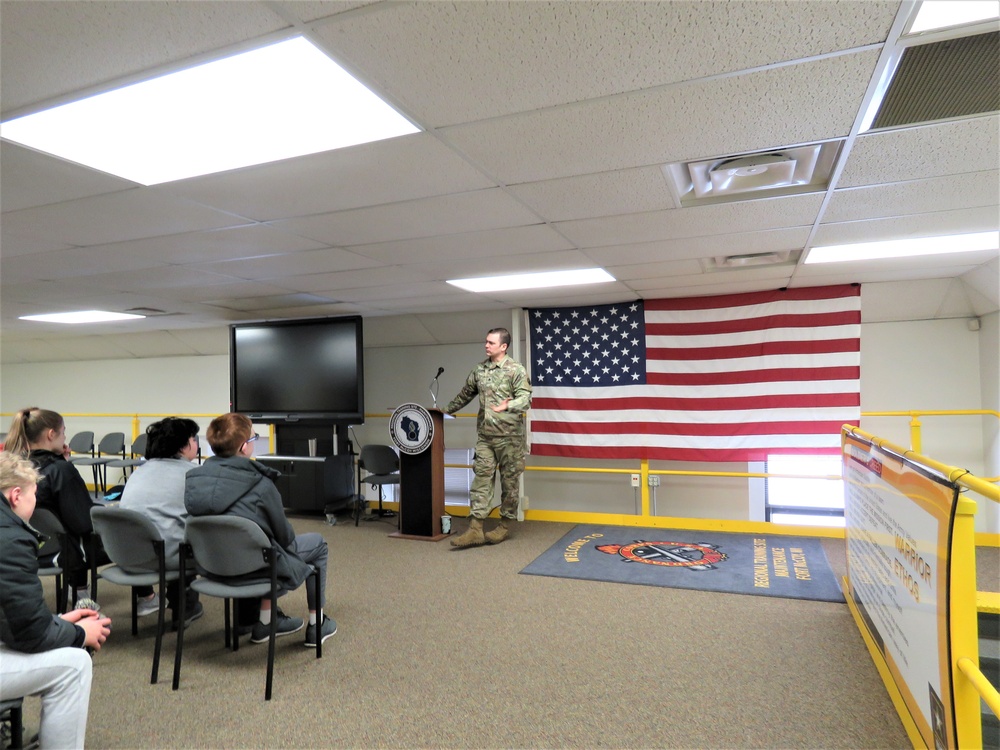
[{"x": 298, "y": 370}]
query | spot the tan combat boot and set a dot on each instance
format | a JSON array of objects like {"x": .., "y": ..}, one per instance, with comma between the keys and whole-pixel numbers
[
  {"x": 501, "y": 532},
  {"x": 472, "y": 537}
]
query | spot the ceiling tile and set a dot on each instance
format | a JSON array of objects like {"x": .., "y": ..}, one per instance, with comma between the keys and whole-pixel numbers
[
  {"x": 514, "y": 57},
  {"x": 927, "y": 225},
  {"x": 701, "y": 247},
  {"x": 915, "y": 197},
  {"x": 449, "y": 214},
  {"x": 748, "y": 216},
  {"x": 816, "y": 101},
  {"x": 327, "y": 260},
  {"x": 420, "y": 165},
  {"x": 944, "y": 148},
  {"x": 492, "y": 242}
]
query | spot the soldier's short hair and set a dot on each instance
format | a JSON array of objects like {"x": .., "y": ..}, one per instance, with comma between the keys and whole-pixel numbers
[{"x": 504, "y": 335}]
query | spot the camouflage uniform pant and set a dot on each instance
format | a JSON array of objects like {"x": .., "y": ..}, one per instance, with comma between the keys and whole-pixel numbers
[{"x": 507, "y": 454}]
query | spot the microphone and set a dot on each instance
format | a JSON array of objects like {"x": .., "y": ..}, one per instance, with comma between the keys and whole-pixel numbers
[{"x": 440, "y": 370}]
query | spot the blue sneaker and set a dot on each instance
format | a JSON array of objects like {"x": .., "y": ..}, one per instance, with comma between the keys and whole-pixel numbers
[
  {"x": 286, "y": 626},
  {"x": 328, "y": 629}
]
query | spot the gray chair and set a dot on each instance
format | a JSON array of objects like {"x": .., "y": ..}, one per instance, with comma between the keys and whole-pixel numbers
[
  {"x": 137, "y": 551},
  {"x": 137, "y": 457},
  {"x": 112, "y": 445},
  {"x": 59, "y": 552},
  {"x": 81, "y": 445},
  {"x": 382, "y": 465},
  {"x": 236, "y": 561}
]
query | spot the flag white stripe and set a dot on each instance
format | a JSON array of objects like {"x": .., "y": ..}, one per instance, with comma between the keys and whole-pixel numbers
[
  {"x": 770, "y": 335},
  {"x": 726, "y": 416},
  {"x": 744, "y": 364},
  {"x": 777, "y": 388}
]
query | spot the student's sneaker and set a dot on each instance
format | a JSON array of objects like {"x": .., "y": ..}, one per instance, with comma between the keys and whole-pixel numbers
[
  {"x": 286, "y": 626},
  {"x": 328, "y": 629},
  {"x": 191, "y": 615},
  {"x": 148, "y": 606}
]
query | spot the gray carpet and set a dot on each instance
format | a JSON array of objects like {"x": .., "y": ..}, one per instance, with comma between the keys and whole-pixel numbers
[
  {"x": 757, "y": 564},
  {"x": 453, "y": 649}
]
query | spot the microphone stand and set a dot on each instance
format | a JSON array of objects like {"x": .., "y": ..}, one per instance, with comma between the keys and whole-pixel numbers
[{"x": 435, "y": 387}]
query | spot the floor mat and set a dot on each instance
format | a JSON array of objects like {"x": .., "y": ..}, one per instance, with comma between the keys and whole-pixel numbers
[{"x": 755, "y": 564}]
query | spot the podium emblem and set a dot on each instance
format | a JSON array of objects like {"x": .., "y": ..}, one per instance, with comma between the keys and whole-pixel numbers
[{"x": 411, "y": 428}]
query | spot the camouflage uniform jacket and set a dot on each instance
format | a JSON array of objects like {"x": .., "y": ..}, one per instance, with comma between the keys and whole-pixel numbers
[{"x": 493, "y": 383}]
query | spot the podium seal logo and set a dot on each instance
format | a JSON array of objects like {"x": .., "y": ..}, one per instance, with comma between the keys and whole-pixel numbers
[{"x": 411, "y": 428}]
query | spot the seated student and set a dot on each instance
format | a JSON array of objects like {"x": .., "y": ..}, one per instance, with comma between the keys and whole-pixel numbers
[
  {"x": 40, "y": 654},
  {"x": 156, "y": 489},
  {"x": 230, "y": 484},
  {"x": 40, "y": 435}
]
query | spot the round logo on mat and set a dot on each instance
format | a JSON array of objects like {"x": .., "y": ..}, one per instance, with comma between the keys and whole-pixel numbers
[
  {"x": 411, "y": 428},
  {"x": 669, "y": 554}
]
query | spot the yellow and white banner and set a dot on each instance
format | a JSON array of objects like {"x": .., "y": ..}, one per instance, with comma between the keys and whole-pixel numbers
[{"x": 899, "y": 518}]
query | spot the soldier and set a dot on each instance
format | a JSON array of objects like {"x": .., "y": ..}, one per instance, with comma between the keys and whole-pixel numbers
[{"x": 504, "y": 396}]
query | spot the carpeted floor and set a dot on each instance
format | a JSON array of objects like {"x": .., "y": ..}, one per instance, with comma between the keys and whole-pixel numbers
[{"x": 453, "y": 649}]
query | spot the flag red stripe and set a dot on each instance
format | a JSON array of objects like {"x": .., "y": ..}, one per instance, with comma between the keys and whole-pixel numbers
[
  {"x": 776, "y": 375},
  {"x": 539, "y": 426},
  {"x": 847, "y": 317},
  {"x": 779, "y": 401},
  {"x": 762, "y": 349},
  {"x": 754, "y": 298}
]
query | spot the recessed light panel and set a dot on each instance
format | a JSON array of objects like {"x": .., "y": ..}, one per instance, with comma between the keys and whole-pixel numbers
[
  {"x": 542, "y": 280},
  {"x": 81, "y": 316},
  {"x": 272, "y": 103},
  {"x": 944, "y": 14},
  {"x": 908, "y": 248}
]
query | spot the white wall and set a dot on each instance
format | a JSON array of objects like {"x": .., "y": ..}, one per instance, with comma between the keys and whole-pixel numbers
[
  {"x": 989, "y": 367},
  {"x": 926, "y": 365}
]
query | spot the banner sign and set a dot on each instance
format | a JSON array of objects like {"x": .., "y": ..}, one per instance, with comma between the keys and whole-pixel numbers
[{"x": 899, "y": 518}]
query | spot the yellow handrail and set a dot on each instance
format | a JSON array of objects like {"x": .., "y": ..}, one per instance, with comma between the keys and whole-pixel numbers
[{"x": 982, "y": 685}]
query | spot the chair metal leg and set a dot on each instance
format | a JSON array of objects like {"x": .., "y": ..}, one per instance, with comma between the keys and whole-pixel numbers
[
  {"x": 319, "y": 613},
  {"x": 182, "y": 584}
]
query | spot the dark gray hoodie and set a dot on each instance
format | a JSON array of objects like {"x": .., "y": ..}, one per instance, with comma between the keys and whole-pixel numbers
[{"x": 237, "y": 486}]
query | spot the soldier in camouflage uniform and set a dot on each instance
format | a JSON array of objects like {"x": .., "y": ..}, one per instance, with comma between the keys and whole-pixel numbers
[{"x": 504, "y": 395}]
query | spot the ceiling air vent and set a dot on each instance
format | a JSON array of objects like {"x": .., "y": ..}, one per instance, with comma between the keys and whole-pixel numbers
[
  {"x": 936, "y": 81},
  {"x": 765, "y": 174}
]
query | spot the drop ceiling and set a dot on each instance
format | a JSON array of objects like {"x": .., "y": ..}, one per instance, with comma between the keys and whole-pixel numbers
[{"x": 545, "y": 127}]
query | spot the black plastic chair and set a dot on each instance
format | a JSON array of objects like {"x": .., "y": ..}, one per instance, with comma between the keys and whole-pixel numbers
[
  {"x": 135, "y": 546},
  {"x": 137, "y": 457},
  {"x": 237, "y": 561},
  {"x": 111, "y": 445},
  {"x": 12, "y": 710},
  {"x": 382, "y": 465}
]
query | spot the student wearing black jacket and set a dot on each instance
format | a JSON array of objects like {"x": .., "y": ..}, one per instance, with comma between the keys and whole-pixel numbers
[
  {"x": 40, "y": 653},
  {"x": 40, "y": 435}
]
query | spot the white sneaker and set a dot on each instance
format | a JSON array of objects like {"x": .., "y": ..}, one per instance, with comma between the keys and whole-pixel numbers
[{"x": 148, "y": 606}]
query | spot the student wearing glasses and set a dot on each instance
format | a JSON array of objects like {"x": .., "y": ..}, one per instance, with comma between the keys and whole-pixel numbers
[{"x": 230, "y": 484}]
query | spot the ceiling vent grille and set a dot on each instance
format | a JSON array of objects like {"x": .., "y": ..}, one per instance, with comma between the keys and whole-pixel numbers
[
  {"x": 936, "y": 81},
  {"x": 741, "y": 177}
]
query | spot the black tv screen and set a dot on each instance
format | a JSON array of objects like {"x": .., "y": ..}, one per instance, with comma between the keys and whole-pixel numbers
[{"x": 298, "y": 369}]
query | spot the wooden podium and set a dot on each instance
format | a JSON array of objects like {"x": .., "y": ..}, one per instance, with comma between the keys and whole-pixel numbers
[{"x": 421, "y": 479}]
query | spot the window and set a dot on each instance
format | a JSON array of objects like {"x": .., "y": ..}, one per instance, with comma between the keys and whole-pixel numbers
[{"x": 816, "y": 502}]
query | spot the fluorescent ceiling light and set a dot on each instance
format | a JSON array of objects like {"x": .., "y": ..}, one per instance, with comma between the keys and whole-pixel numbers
[
  {"x": 276, "y": 102},
  {"x": 943, "y": 14},
  {"x": 83, "y": 316},
  {"x": 534, "y": 280},
  {"x": 944, "y": 245}
]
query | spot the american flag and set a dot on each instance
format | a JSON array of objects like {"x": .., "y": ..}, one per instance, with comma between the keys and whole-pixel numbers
[{"x": 728, "y": 378}]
